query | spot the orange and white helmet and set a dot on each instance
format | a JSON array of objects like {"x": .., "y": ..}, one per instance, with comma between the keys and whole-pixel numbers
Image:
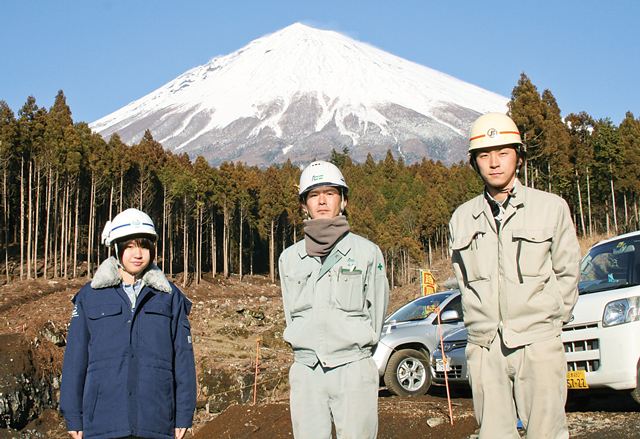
[{"x": 494, "y": 129}]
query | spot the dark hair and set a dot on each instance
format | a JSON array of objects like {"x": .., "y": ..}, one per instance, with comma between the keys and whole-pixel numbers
[
  {"x": 522, "y": 155},
  {"x": 144, "y": 241}
]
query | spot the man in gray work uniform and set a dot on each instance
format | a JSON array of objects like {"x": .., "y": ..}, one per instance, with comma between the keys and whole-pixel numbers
[
  {"x": 335, "y": 295},
  {"x": 517, "y": 260}
]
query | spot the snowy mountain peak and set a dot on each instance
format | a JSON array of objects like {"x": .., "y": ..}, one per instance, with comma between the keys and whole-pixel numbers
[{"x": 298, "y": 93}]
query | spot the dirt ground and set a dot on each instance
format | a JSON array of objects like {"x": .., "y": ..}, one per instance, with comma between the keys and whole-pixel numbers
[{"x": 233, "y": 322}]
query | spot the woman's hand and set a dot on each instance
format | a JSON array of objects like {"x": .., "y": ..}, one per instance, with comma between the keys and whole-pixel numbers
[
  {"x": 76, "y": 434},
  {"x": 179, "y": 433}
]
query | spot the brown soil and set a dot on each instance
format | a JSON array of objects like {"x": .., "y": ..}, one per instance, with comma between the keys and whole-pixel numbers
[{"x": 228, "y": 318}]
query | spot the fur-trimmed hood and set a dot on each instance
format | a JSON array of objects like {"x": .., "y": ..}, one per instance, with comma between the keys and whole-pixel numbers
[{"x": 108, "y": 275}]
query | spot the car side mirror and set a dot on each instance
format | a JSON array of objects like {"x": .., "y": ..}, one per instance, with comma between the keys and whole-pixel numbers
[{"x": 448, "y": 316}]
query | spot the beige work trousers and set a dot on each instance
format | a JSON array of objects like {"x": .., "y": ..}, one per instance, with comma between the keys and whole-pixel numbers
[
  {"x": 346, "y": 394},
  {"x": 529, "y": 382}
]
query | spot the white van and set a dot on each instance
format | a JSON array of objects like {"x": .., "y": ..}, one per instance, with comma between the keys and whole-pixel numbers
[{"x": 602, "y": 340}]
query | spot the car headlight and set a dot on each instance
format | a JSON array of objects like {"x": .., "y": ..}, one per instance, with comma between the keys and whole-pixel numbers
[{"x": 621, "y": 311}]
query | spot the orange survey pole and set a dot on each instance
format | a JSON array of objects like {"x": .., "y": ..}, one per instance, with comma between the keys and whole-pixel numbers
[
  {"x": 444, "y": 366},
  {"x": 255, "y": 379}
]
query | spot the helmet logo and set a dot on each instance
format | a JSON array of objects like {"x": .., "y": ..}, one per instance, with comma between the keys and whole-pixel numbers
[
  {"x": 136, "y": 223},
  {"x": 492, "y": 132},
  {"x": 317, "y": 177}
]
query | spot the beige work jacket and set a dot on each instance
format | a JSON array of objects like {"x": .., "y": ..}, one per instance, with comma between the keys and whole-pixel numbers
[{"x": 523, "y": 280}]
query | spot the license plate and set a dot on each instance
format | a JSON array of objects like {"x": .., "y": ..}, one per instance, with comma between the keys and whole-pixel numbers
[
  {"x": 442, "y": 366},
  {"x": 576, "y": 379}
]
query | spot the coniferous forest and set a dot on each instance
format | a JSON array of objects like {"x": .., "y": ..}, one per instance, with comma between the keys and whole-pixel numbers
[{"x": 60, "y": 183}]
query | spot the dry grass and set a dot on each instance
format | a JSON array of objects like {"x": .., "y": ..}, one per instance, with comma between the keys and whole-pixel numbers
[{"x": 586, "y": 242}]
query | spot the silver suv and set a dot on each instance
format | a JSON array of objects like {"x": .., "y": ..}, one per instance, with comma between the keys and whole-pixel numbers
[{"x": 409, "y": 335}]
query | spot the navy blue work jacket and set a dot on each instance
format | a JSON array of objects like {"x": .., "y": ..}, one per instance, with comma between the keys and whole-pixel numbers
[{"x": 129, "y": 372}]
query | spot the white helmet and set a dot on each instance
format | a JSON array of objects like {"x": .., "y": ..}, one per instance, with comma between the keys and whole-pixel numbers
[
  {"x": 319, "y": 174},
  {"x": 128, "y": 223},
  {"x": 493, "y": 129}
]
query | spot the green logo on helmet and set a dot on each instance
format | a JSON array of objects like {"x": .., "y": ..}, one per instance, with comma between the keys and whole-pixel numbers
[{"x": 317, "y": 177}]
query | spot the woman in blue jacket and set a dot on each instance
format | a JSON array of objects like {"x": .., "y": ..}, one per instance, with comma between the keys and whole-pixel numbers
[{"x": 128, "y": 368}]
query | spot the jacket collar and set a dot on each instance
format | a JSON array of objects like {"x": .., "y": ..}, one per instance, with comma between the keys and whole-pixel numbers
[
  {"x": 108, "y": 275},
  {"x": 516, "y": 200}
]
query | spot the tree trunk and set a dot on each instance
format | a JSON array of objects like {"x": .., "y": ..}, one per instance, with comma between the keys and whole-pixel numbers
[
  {"x": 272, "y": 251},
  {"x": 185, "y": 245},
  {"x": 22, "y": 218},
  {"x": 613, "y": 202},
  {"x": 198, "y": 243},
  {"x": 77, "y": 233},
  {"x": 6, "y": 222},
  {"x": 251, "y": 247},
  {"x": 56, "y": 220},
  {"x": 225, "y": 239},
  {"x": 584, "y": 232},
  {"x": 48, "y": 218},
  {"x": 91, "y": 227},
  {"x": 626, "y": 213},
  {"x": 589, "y": 204},
  {"x": 170, "y": 238},
  {"x": 241, "y": 215},
  {"x": 30, "y": 220},
  {"x": 213, "y": 245}
]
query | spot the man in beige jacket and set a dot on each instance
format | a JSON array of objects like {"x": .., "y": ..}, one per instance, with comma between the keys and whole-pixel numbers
[{"x": 517, "y": 260}]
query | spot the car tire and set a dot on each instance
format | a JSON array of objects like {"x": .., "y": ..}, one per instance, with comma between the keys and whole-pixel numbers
[
  {"x": 635, "y": 393},
  {"x": 408, "y": 373},
  {"x": 577, "y": 401}
]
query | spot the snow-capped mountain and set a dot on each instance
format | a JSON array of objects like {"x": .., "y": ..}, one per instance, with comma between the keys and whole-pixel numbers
[{"x": 300, "y": 92}]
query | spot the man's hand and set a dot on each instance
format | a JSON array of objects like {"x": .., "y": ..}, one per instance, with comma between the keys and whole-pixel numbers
[
  {"x": 179, "y": 433},
  {"x": 78, "y": 434}
]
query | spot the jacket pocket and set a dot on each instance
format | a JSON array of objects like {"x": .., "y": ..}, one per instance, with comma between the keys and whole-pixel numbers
[
  {"x": 108, "y": 310},
  {"x": 532, "y": 251},
  {"x": 471, "y": 253},
  {"x": 102, "y": 319},
  {"x": 163, "y": 309},
  {"x": 299, "y": 297},
  {"x": 90, "y": 398},
  {"x": 156, "y": 400},
  {"x": 156, "y": 328},
  {"x": 348, "y": 292}
]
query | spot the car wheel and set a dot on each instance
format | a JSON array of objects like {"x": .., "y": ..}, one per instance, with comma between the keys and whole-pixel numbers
[
  {"x": 408, "y": 373},
  {"x": 635, "y": 393},
  {"x": 577, "y": 401}
]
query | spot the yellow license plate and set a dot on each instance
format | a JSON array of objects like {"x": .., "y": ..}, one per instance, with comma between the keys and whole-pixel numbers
[{"x": 576, "y": 380}]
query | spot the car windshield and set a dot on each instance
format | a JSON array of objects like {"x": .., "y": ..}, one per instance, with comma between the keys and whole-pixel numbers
[
  {"x": 419, "y": 308},
  {"x": 615, "y": 264}
]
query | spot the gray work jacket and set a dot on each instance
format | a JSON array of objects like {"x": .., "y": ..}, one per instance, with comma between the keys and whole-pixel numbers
[
  {"x": 522, "y": 280},
  {"x": 334, "y": 311}
]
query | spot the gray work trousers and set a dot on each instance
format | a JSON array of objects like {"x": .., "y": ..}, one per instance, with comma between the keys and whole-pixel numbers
[
  {"x": 346, "y": 395},
  {"x": 529, "y": 382}
]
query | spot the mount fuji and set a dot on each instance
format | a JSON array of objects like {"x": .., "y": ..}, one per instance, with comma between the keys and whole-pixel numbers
[{"x": 300, "y": 92}]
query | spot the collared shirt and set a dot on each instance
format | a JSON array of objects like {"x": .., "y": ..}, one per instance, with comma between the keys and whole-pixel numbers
[{"x": 133, "y": 291}]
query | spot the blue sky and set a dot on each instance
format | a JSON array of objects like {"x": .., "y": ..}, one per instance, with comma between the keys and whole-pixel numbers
[{"x": 106, "y": 53}]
